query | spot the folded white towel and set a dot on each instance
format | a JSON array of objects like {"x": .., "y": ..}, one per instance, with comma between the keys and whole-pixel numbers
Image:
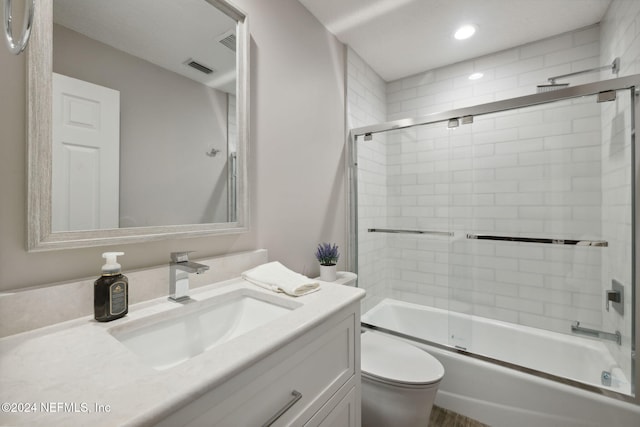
[{"x": 278, "y": 278}]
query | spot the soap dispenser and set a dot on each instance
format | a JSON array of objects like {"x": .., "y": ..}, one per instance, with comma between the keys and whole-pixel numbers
[{"x": 111, "y": 290}]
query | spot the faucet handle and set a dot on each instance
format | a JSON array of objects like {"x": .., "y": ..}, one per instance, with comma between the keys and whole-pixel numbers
[
  {"x": 180, "y": 256},
  {"x": 612, "y": 296}
]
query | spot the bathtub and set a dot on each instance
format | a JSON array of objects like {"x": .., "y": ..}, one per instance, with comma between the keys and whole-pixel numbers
[{"x": 500, "y": 395}]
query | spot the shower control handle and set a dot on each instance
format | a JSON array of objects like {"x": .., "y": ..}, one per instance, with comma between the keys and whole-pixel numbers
[
  {"x": 615, "y": 295},
  {"x": 612, "y": 296}
]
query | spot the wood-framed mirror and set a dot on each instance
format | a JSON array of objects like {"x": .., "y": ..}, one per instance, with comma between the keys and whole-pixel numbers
[{"x": 138, "y": 121}]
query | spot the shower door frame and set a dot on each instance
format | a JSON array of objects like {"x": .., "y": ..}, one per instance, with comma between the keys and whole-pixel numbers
[{"x": 631, "y": 83}]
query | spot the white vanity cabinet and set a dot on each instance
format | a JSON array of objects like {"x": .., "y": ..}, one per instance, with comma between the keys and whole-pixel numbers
[
  {"x": 343, "y": 410},
  {"x": 314, "y": 380}
]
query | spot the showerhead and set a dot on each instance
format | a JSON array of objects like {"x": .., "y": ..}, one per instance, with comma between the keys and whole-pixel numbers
[
  {"x": 614, "y": 67},
  {"x": 551, "y": 87}
]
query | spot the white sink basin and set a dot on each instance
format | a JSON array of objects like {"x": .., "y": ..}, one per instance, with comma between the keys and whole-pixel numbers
[{"x": 167, "y": 339}]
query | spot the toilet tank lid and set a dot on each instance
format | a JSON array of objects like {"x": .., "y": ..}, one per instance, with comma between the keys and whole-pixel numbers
[
  {"x": 397, "y": 361},
  {"x": 346, "y": 278}
]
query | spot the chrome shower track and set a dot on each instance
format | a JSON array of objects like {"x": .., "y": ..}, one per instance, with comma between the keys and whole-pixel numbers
[{"x": 508, "y": 104}]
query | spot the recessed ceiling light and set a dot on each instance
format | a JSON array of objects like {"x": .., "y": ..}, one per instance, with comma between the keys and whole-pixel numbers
[
  {"x": 464, "y": 32},
  {"x": 476, "y": 76}
]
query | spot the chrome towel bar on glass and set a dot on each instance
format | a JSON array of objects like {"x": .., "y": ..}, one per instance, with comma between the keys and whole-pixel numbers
[
  {"x": 600, "y": 243},
  {"x": 391, "y": 230},
  {"x": 14, "y": 46}
]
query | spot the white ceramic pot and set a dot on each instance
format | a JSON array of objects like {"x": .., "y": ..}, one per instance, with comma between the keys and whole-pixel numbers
[{"x": 328, "y": 273}]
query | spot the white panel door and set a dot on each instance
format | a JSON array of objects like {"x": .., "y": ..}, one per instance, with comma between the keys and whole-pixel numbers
[{"x": 86, "y": 155}]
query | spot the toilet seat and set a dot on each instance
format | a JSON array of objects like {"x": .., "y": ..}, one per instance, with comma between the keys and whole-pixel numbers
[{"x": 395, "y": 362}]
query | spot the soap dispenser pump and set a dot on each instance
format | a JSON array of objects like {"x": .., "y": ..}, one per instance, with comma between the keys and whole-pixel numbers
[{"x": 111, "y": 290}]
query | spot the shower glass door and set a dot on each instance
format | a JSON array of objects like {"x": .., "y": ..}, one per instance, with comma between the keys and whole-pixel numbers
[
  {"x": 541, "y": 208},
  {"x": 507, "y": 233},
  {"x": 403, "y": 226}
]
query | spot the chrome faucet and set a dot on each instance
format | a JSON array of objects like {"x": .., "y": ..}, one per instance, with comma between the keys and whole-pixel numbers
[
  {"x": 615, "y": 336},
  {"x": 179, "y": 270}
]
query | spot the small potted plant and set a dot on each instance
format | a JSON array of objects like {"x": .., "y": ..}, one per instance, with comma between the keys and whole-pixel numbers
[{"x": 327, "y": 255}]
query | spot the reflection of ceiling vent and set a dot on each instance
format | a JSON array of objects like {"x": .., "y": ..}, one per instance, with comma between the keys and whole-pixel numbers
[
  {"x": 228, "y": 39},
  {"x": 198, "y": 66}
]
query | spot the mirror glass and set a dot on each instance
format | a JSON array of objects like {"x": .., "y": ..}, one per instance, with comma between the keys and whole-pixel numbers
[
  {"x": 143, "y": 112},
  {"x": 137, "y": 119}
]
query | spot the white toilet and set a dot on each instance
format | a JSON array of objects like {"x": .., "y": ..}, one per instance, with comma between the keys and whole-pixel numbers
[{"x": 399, "y": 381}]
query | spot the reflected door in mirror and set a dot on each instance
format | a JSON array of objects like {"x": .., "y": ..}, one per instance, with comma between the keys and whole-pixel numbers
[{"x": 86, "y": 155}]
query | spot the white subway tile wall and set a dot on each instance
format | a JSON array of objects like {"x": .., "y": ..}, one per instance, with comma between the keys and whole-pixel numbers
[
  {"x": 366, "y": 105},
  {"x": 557, "y": 171}
]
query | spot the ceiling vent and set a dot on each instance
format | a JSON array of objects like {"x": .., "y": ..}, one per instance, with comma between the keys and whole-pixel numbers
[
  {"x": 198, "y": 66},
  {"x": 228, "y": 39}
]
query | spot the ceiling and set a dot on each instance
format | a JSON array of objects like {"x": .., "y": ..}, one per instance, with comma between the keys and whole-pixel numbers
[{"x": 399, "y": 38}]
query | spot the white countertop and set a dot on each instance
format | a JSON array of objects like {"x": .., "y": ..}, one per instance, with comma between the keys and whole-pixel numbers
[{"x": 77, "y": 373}]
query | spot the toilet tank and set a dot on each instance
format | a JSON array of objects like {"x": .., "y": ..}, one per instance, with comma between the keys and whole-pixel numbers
[{"x": 346, "y": 278}]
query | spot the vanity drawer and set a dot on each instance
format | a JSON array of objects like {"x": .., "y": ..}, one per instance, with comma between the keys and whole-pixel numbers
[
  {"x": 342, "y": 410},
  {"x": 316, "y": 370}
]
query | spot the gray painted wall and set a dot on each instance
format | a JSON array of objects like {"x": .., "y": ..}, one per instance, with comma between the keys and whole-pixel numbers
[{"x": 296, "y": 171}]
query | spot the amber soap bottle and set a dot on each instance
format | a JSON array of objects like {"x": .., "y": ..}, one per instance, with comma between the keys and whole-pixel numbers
[{"x": 111, "y": 290}]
